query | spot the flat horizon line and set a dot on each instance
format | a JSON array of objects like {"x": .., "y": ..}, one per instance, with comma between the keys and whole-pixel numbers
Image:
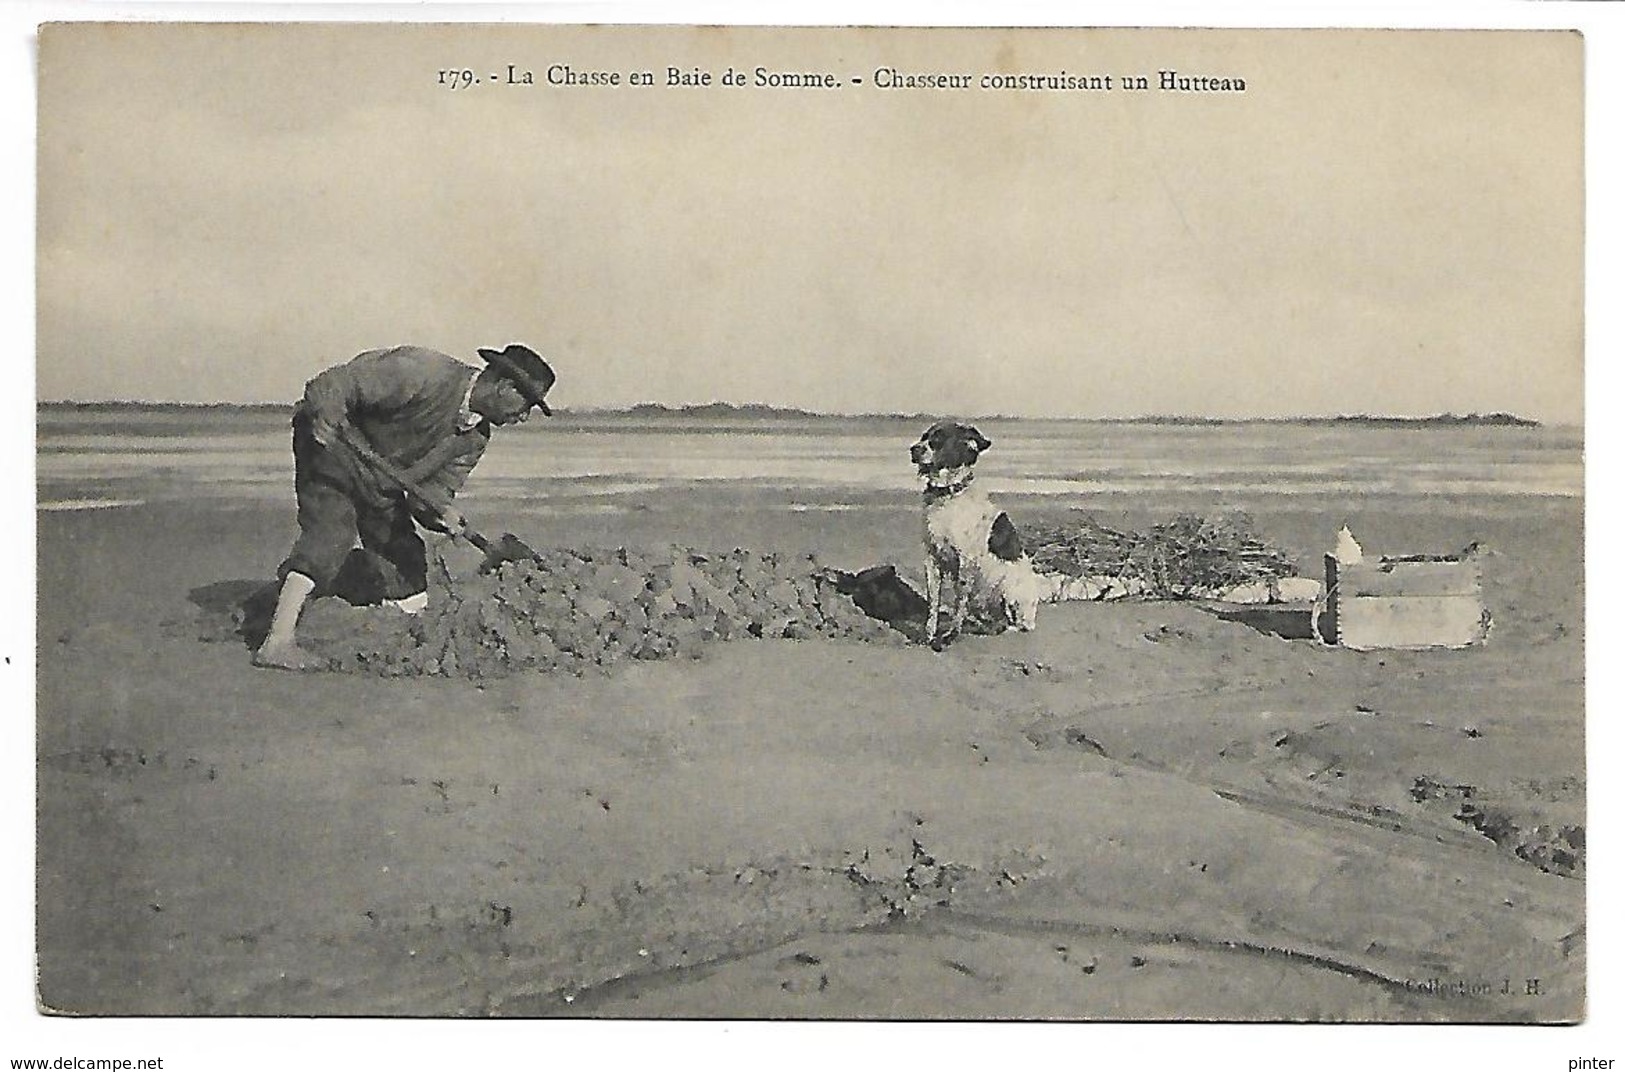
[{"x": 756, "y": 409}]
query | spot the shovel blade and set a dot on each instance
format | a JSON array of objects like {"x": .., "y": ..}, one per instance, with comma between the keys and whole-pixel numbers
[{"x": 508, "y": 548}]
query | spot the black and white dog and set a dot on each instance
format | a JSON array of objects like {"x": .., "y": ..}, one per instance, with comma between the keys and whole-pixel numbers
[{"x": 969, "y": 543}]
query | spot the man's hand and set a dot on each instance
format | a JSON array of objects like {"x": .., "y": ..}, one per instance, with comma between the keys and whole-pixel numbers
[{"x": 448, "y": 521}]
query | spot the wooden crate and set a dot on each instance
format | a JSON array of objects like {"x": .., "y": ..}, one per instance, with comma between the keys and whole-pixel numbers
[{"x": 1400, "y": 602}]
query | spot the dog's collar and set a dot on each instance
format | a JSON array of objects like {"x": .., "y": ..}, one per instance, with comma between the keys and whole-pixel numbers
[{"x": 956, "y": 483}]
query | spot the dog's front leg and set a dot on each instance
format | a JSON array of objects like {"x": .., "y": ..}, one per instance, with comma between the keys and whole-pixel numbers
[
  {"x": 933, "y": 595},
  {"x": 961, "y": 596}
]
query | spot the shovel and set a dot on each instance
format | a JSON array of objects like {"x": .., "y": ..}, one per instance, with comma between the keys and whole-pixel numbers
[{"x": 509, "y": 548}]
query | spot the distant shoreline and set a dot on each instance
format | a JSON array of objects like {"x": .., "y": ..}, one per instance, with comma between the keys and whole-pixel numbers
[{"x": 657, "y": 411}]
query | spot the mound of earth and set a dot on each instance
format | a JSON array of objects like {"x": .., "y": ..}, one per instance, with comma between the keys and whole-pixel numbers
[{"x": 570, "y": 609}]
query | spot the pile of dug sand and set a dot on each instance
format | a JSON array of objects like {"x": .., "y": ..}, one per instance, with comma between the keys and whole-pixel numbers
[{"x": 572, "y": 610}]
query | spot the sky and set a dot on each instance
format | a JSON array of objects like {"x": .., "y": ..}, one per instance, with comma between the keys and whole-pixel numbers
[{"x": 1384, "y": 222}]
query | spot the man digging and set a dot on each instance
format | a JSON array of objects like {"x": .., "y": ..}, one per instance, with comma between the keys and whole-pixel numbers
[{"x": 430, "y": 417}]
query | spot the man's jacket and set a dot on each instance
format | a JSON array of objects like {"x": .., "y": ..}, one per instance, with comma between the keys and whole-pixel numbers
[{"x": 411, "y": 404}]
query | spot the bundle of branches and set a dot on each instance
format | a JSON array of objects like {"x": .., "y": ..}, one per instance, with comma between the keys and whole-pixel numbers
[
  {"x": 1080, "y": 546},
  {"x": 1189, "y": 557}
]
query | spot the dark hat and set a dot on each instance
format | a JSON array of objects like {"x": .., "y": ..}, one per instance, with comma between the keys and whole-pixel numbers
[{"x": 526, "y": 369}]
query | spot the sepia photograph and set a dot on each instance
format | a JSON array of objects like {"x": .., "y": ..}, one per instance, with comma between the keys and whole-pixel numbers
[{"x": 823, "y": 523}]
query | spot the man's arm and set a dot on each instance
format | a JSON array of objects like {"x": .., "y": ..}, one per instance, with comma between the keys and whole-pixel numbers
[
  {"x": 377, "y": 381},
  {"x": 441, "y": 485}
]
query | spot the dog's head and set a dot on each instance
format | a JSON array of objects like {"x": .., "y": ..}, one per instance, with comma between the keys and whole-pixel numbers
[{"x": 948, "y": 445}]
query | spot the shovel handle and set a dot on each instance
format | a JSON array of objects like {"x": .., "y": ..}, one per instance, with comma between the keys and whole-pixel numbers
[{"x": 393, "y": 473}]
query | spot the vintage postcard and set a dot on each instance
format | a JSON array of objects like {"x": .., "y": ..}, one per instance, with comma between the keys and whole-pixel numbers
[{"x": 690, "y": 522}]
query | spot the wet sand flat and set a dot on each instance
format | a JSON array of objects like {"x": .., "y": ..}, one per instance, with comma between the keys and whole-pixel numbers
[{"x": 1141, "y": 810}]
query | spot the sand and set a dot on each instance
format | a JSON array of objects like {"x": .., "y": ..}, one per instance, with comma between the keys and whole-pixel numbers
[{"x": 1140, "y": 810}]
